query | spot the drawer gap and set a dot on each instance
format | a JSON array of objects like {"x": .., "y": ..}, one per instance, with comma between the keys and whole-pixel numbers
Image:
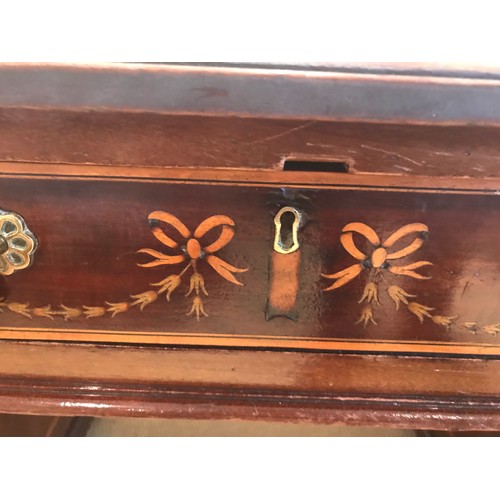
[{"x": 316, "y": 166}]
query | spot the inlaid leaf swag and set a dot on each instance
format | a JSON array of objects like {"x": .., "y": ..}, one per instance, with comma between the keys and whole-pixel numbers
[
  {"x": 380, "y": 260},
  {"x": 188, "y": 250}
]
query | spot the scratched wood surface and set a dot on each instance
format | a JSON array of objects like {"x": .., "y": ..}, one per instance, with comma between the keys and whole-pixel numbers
[
  {"x": 90, "y": 231},
  {"x": 239, "y": 143},
  {"x": 329, "y": 95}
]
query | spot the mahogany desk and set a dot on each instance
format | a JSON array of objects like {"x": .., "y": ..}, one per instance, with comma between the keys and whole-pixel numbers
[{"x": 312, "y": 243}]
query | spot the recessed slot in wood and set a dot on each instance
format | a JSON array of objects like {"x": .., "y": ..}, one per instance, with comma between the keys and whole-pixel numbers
[{"x": 315, "y": 166}]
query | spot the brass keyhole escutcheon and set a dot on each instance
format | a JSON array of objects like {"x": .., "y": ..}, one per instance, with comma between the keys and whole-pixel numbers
[
  {"x": 286, "y": 223},
  {"x": 17, "y": 243},
  {"x": 284, "y": 265}
]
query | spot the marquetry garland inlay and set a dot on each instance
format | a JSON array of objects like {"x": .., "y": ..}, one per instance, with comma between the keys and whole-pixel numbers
[
  {"x": 377, "y": 262},
  {"x": 187, "y": 250}
]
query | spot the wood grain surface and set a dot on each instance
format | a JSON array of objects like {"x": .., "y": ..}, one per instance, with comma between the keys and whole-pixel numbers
[
  {"x": 252, "y": 92},
  {"x": 86, "y": 158},
  {"x": 90, "y": 230},
  {"x": 352, "y": 389},
  {"x": 231, "y": 142}
]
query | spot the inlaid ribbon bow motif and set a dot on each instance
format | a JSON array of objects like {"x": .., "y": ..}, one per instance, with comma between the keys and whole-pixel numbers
[
  {"x": 379, "y": 259},
  {"x": 191, "y": 251},
  {"x": 188, "y": 249}
]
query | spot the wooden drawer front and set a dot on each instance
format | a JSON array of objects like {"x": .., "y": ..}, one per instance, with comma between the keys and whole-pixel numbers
[{"x": 440, "y": 295}]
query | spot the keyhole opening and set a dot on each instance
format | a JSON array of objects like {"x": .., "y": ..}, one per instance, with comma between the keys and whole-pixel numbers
[{"x": 287, "y": 220}]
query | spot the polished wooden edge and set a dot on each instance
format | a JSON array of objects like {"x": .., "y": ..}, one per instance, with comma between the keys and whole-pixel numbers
[
  {"x": 193, "y": 366},
  {"x": 254, "y": 341},
  {"x": 471, "y": 69},
  {"x": 423, "y": 392},
  {"x": 62, "y": 398},
  {"x": 251, "y": 92},
  {"x": 397, "y": 72},
  {"x": 225, "y": 176}
]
